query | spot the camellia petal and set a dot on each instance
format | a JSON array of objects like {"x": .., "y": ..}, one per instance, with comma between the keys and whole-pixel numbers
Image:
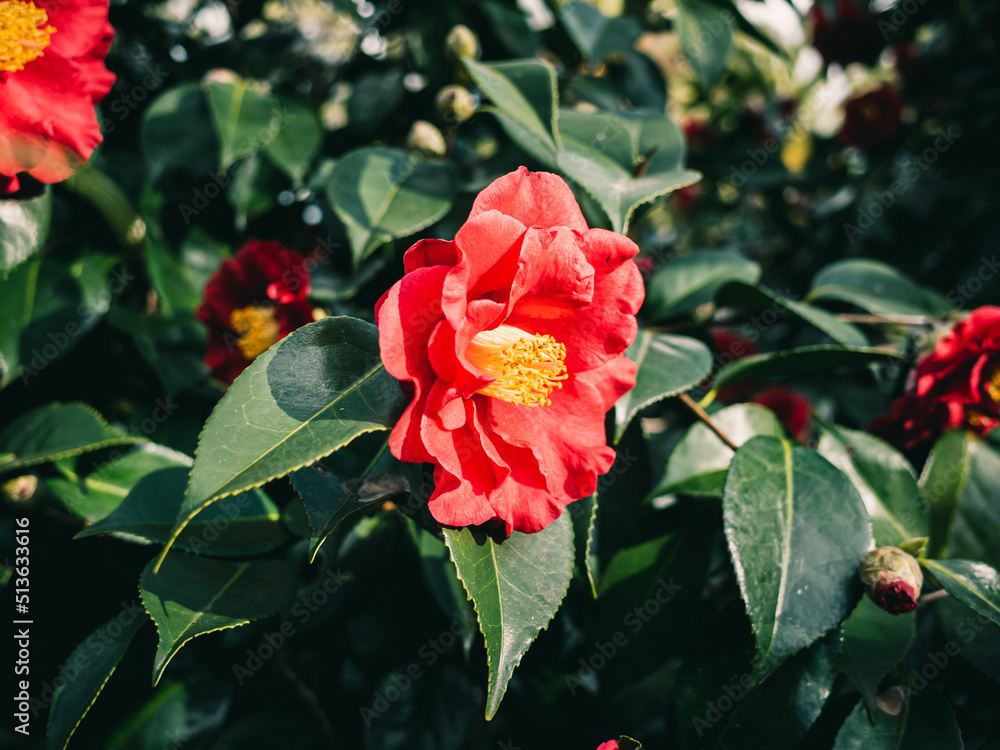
[{"x": 511, "y": 338}]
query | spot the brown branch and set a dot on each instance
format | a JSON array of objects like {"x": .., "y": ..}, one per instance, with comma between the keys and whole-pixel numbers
[
  {"x": 703, "y": 416},
  {"x": 910, "y": 320}
]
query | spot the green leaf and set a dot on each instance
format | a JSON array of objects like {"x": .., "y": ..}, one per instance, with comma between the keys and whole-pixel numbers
[
  {"x": 874, "y": 642},
  {"x": 177, "y": 133},
  {"x": 525, "y": 93},
  {"x": 176, "y": 714},
  {"x": 884, "y": 479},
  {"x": 926, "y": 722},
  {"x": 191, "y": 596},
  {"x": 245, "y": 524},
  {"x": 596, "y": 35},
  {"x": 347, "y": 483},
  {"x": 17, "y": 294},
  {"x": 298, "y": 142},
  {"x": 383, "y": 194},
  {"x": 622, "y": 160},
  {"x": 246, "y": 119},
  {"x": 684, "y": 283},
  {"x": 975, "y": 584},
  {"x": 443, "y": 583},
  {"x": 94, "y": 661},
  {"x": 942, "y": 485},
  {"x": 91, "y": 493},
  {"x": 56, "y": 431},
  {"x": 797, "y": 532},
  {"x": 23, "y": 227},
  {"x": 700, "y": 460},
  {"x": 667, "y": 365},
  {"x": 974, "y": 636},
  {"x": 706, "y": 38},
  {"x": 741, "y": 293},
  {"x": 584, "y": 515},
  {"x": 802, "y": 360},
  {"x": 308, "y": 395},
  {"x": 516, "y": 585},
  {"x": 876, "y": 287}
]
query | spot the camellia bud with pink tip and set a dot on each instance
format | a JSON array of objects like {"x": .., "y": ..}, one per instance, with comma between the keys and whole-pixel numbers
[{"x": 892, "y": 579}]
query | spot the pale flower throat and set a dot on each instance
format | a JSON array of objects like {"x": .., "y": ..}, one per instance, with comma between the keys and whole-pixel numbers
[
  {"x": 527, "y": 367},
  {"x": 23, "y": 34}
]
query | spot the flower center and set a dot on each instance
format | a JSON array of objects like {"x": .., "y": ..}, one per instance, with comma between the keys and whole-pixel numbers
[
  {"x": 992, "y": 385},
  {"x": 527, "y": 368},
  {"x": 257, "y": 328},
  {"x": 23, "y": 34}
]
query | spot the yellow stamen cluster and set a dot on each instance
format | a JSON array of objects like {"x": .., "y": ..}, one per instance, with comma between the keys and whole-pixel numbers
[
  {"x": 257, "y": 328},
  {"x": 527, "y": 367},
  {"x": 993, "y": 383},
  {"x": 23, "y": 34}
]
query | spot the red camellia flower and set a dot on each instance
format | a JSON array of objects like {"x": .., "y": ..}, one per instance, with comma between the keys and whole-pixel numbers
[
  {"x": 852, "y": 35},
  {"x": 892, "y": 579},
  {"x": 511, "y": 340},
  {"x": 252, "y": 301},
  {"x": 793, "y": 409},
  {"x": 957, "y": 385},
  {"x": 609, "y": 745},
  {"x": 51, "y": 75},
  {"x": 872, "y": 119}
]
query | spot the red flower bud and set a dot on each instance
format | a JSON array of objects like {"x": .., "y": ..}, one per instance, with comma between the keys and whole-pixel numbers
[{"x": 892, "y": 579}]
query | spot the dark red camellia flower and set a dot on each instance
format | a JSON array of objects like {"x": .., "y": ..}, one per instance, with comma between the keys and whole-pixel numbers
[
  {"x": 699, "y": 135},
  {"x": 851, "y": 35},
  {"x": 872, "y": 119},
  {"x": 957, "y": 385},
  {"x": 511, "y": 340},
  {"x": 892, "y": 579},
  {"x": 793, "y": 409},
  {"x": 51, "y": 75},
  {"x": 252, "y": 301}
]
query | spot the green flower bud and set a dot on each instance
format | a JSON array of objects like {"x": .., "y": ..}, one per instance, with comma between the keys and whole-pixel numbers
[
  {"x": 426, "y": 139},
  {"x": 892, "y": 579},
  {"x": 461, "y": 42},
  {"x": 455, "y": 104}
]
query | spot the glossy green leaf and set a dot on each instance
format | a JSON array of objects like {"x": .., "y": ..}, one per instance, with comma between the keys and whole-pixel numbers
[
  {"x": 975, "y": 584},
  {"x": 17, "y": 293},
  {"x": 525, "y": 94},
  {"x": 667, "y": 365},
  {"x": 305, "y": 397},
  {"x": 175, "y": 714},
  {"x": 347, "y": 483},
  {"x": 246, "y": 118},
  {"x": 23, "y": 227},
  {"x": 876, "y": 287},
  {"x": 975, "y": 636},
  {"x": 741, "y": 293},
  {"x": 56, "y": 431},
  {"x": 383, "y": 194},
  {"x": 802, "y": 360},
  {"x": 926, "y": 722},
  {"x": 700, "y": 460},
  {"x": 884, "y": 479},
  {"x": 596, "y": 35},
  {"x": 192, "y": 596},
  {"x": 516, "y": 586},
  {"x": 244, "y": 524},
  {"x": 177, "y": 133},
  {"x": 684, "y": 283},
  {"x": 298, "y": 141},
  {"x": 706, "y": 38},
  {"x": 91, "y": 490},
  {"x": 874, "y": 642},
  {"x": 94, "y": 661},
  {"x": 942, "y": 485},
  {"x": 797, "y": 531},
  {"x": 584, "y": 515}
]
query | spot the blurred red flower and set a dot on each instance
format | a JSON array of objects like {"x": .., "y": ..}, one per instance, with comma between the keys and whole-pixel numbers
[
  {"x": 51, "y": 75},
  {"x": 872, "y": 119},
  {"x": 511, "y": 340},
  {"x": 609, "y": 745},
  {"x": 252, "y": 301},
  {"x": 957, "y": 385},
  {"x": 851, "y": 35},
  {"x": 793, "y": 409}
]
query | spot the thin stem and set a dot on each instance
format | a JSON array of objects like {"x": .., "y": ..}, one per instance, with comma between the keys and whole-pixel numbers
[
  {"x": 703, "y": 416},
  {"x": 928, "y": 598},
  {"x": 911, "y": 320}
]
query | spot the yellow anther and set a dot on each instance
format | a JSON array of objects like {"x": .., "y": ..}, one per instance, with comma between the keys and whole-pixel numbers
[
  {"x": 24, "y": 34},
  {"x": 257, "y": 327},
  {"x": 526, "y": 367}
]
